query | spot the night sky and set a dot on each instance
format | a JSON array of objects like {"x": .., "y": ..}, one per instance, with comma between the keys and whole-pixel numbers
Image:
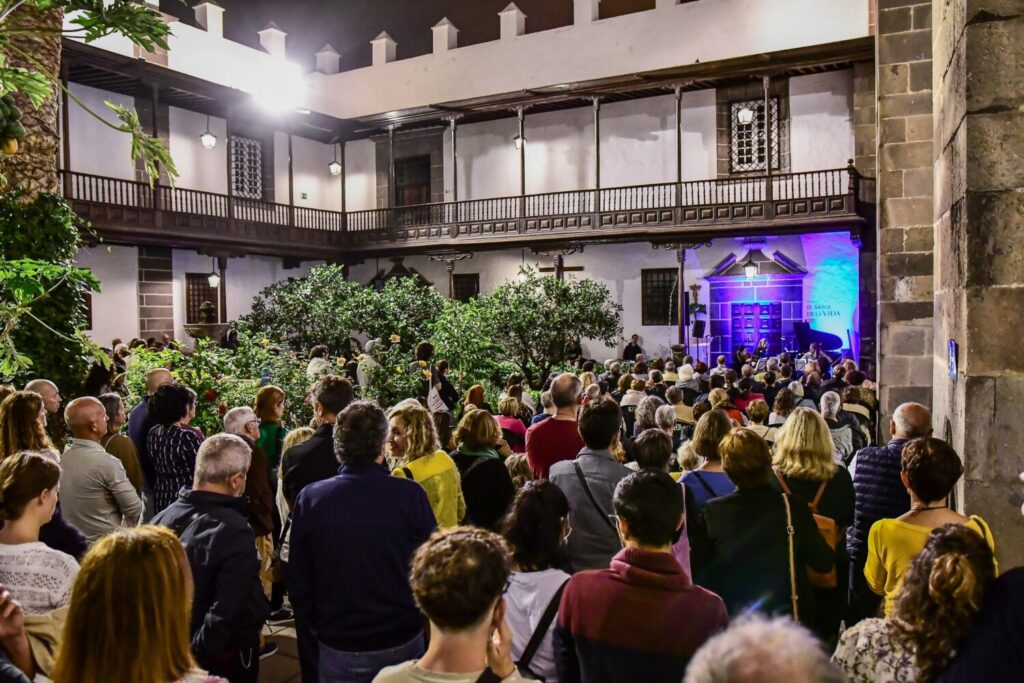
[{"x": 350, "y": 25}]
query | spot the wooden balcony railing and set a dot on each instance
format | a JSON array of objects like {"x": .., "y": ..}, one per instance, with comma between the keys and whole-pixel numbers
[{"x": 790, "y": 197}]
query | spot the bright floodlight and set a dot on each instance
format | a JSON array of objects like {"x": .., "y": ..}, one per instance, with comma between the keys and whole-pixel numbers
[{"x": 280, "y": 87}]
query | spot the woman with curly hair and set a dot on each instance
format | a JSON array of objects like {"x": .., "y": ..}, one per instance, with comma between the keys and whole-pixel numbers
[
  {"x": 784, "y": 404},
  {"x": 172, "y": 443},
  {"x": 934, "y": 610},
  {"x": 412, "y": 441},
  {"x": 645, "y": 412},
  {"x": 23, "y": 428}
]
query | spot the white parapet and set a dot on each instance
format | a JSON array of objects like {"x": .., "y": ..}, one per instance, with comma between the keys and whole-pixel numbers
[
  {"x": 585, "y": 11},
  {"x": 446, "y": 36},
  {"x": 210, "y": 17},
  {"x": 272, "y": 39},
  {"x": 385, "y": 49},
  {"x": 513, "y": 22},
  {"x": 328, "y": 61}
]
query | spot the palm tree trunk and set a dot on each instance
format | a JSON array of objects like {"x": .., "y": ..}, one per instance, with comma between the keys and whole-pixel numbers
[{"x": 34, "y": 167}]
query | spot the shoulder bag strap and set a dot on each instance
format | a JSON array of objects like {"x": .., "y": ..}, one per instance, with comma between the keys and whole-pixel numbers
[
  {"x": 590, "y": 494},
  {"x": 817, "y": 497},
  {"x": 986, "y": 533},
  {"x": 782, "y": 482},
  {"x": 705, "y": 484},
  {"x": 790, "y": 531},
  {"x": 542, "y": 628},
  {"x": 407, "y": 471}
]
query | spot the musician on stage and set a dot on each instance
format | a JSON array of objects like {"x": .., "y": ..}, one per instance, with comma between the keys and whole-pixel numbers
[{"x": 818, "y": 359}]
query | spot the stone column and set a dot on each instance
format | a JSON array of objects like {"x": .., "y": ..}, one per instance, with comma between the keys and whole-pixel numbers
[
  {"x": 979, "y": 261},
  {"x": 903, "y": 82},
  {"x": 865, "y": 145}
]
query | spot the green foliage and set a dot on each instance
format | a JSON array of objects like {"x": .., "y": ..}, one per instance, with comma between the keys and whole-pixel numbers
[
  {"x": 130, "y": 18},
  {"x": 42, "y": 303},
  {"x": 404, "y": 306},
  {"x": 467, "y": 335},
  {"x": 391, "y": 378},
  {"x": 31, "y": 83},
  {"x": 225, "y": 379},
  {"x": 150, "y": 150}
]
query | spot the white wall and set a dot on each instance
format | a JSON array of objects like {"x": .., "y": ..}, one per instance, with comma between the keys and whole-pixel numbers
[
  {"x": 97, "y": 148},
  {"x": 199, "y": 168},
  {"x": 821, "y": 129},
  {"x": 115, "y": 308},
  {"x": 312, "y": 178},
  {"x": 360, "y": 175}
]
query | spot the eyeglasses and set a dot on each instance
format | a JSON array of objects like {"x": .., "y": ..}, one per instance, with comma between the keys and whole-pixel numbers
[{"x": 254, "y": 421}]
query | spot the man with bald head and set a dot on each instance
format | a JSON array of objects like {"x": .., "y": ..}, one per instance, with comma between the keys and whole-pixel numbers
[
  {"x": 558, "y": 437},
  {"x": 51, "y": 402},
  {"x": 96, "y": 496},
  {"x": 139, "y": 425},
  {"x": 879, "y": 493}
]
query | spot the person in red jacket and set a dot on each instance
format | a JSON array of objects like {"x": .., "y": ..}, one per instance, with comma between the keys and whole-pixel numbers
[{"x": 557, "y": 438}]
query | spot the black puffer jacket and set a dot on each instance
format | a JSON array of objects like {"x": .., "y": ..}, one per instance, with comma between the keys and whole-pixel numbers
[
  {"x": 229, "y": 606},
  {"x": 878, "y": 494}
]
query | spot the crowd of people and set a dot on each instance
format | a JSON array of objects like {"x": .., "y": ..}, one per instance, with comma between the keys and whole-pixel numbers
[{"x": 638, "y": 520}]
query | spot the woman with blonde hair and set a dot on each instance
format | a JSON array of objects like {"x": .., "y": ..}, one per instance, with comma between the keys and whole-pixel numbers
[
  {"x": 512, "y": 427},
  {"x": 805, "y": 466},
  {"x": 119, "y": 629},
  {"x": 709, "y": 480},
  {"x": 719, "y": 399},
  {"x": 935, "y": 610},
  {"x": 486, "y": 482},
  {"x": 757, "y": 411},
  {"x": 412, "y": 442},
  {"x": 587, "y": 378},
  {"x": 23, "y": 428},
  {"x": 269, "y": 408}
]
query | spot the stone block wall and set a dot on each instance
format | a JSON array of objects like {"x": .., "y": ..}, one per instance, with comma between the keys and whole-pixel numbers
[
  {"x": 979, "y": 264},
  {"x": 904, "y": 199},
  {"x": 865, "y": 145},
  {"x": 156, "y": 301}
]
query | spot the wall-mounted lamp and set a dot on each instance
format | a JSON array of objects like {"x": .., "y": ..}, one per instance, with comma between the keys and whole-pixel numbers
[
  {"x": 213, "y": 278},
  {"x": 519, "y": 141},
  {"x": 745, "y": 116},
  {"x": 335, "y": 166},
  {"x": 750, "y": 268},
  {"x": 208, "y": 140}
]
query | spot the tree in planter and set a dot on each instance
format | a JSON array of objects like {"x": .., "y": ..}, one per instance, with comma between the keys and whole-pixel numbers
[{"x": 536, "y": 317}]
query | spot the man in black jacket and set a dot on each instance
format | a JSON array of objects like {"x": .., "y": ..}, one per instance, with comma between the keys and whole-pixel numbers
[{"x": 228, "y": 606}]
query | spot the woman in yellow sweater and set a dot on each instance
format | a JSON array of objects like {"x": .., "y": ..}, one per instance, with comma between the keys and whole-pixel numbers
[
  {"x": 412, "y": 440},
  {"x": 930, "y": 470}
]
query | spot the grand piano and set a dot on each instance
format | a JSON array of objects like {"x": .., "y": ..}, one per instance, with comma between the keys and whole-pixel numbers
[{"x": 805, "y": 336}]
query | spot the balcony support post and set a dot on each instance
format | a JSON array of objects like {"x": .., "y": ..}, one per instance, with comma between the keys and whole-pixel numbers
[
  {"x": 679, "y": 144},
  {"x": 291, "y": 183},
  {"x": 392, "y": 190},
  {"x": 449, "y": 260},
  {"x": 521, "y": 116},
  {"x": 344, "y": 201},
  {"x": 65, "y": 70},
  {"x": 766, "y": 80},
  {"x": 597, "y": 157},
  {"x": 222, "y": 266},
  {"x": 227, "y": 167}
]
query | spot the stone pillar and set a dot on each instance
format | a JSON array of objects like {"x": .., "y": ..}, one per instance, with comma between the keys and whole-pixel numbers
[
  {"x": 903, "y": 82},
  {"x": 979, "y": 263},
  {"x": 865, "y": 144},
  {"x": 156, "y": 289}
]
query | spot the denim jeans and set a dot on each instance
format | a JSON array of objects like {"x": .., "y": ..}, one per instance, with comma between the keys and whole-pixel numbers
[{"x": 337, "y": 666}]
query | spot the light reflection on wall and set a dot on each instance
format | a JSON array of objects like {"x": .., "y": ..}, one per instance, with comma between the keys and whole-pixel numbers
[{"x": 832, "y": 289}]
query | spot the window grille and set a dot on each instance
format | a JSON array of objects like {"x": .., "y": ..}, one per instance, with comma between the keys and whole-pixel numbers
[
  {"x": 465, "y": 286},
  {"x": 746, "y": 140},
  {"x": 197, "y": 292},
  {"x": 246, "y": 167},
  {"x": 659, "y": 304}
]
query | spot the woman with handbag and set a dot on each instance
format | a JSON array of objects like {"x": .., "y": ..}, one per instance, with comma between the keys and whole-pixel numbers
[
  {"x": 536, "y": 528},
  {"x": 758, "y": 543},
  {"x": 805, "y": 468},
  {"x": 931, "y": 469}
]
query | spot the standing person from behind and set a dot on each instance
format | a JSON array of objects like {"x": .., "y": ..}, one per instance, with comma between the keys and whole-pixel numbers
[
  {"x": 97, "y": 497},
  {"x": 588, "y": 482},
  {"x": 172, "y": 443},
  {"x": 349, "y": 581},
  {"x": 269, "y": 408},
  {"x": 458, "y": 578},
  {"x": 557, "y": 438},
  {"x": 228, "y": 606},
  {"x": 486, "y": 482},
  {"x": 642, "y": 619},
  {"x": 118, "y": 444},
  {"x": 51, "y": 402},
  {"x": 139, "y": 424}
]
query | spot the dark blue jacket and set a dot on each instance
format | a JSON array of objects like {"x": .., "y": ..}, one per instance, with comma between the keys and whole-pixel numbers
[
  {"x": 878, "y": 494},
  {"x": 139, "y": 424},
  {"x": 352, "y": 541},
  {"x": 229, "y": 607}
]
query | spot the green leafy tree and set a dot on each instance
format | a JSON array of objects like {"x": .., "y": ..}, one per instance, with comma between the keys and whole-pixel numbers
[
  {"x": 538, "y": 315},
  {"x": 404, "y": 307},
  {"x": 469, "y": 337}
]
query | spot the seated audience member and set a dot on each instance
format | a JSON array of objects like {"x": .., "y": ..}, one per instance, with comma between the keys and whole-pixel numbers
[
  {"x": 756, "y": 545},
  {"x": 172, "y": 443},
  {"x": 361, "y": 611},
  {"x": 38, "y": 576},
  {"x": 536, "y": 528},
  {"x": 588, "y": 482},
  {"x": 623, "y": 623},
  {"x": 935, "y": 609},
  {"x": 475, "y": 398},
  {"x": 699, "y": 409},
  {"x": 785, "y": 402},
  {"x": 652, "y": 450},
  {"x": 719, "y": 399},
  {"x": 801, "y": 401},
  {"x": 97, "y": 497},
  {"x": 508, "y": 419},
  {"x": 747, "y": 394},
  {"x": 243, "y": 423},
  {"x": 118, "y": 444},
  {"x": 880, "y": 494},
  {"x": 547, "y": 408},
  {"x": 993, "y": 650},
  {"x": 526, "y": 411},
  {"x": 588, "y": 378},
  {"x": 931, "y": 469},
  {"x": 645, "y": 414},
  {"x": 720, "y": 366},
  {"x": 843, "y": 434},
  {"x": 23, "y": 428},
  {"x": 637, "y": 392},
  {"x": 486, "y": 484},
  {"x": 622, "y": 385},
  {"x": 771, "y": 387},
  {"x": 805, "y": 467},
  {"x": 688, "y": 379},
  {"x": 612, "y": 373},
  {"x": 519, "y": 469},
  {"x": 641, "y": 371},
  {"x": 859, "y": 392},
  {"x": 656, "y": 384},
  {"x": 119, "y": 628},
  {"x": 838, "y": 381},
  {"x": 709, "y": 480},
  {"x": 319, "y": 362},
  {"x": 458, "y": 579},
  {"x": 228, "y": 604},
  {"x": 412, "y": 440},
  {"x": 684, "y": 413},
  {"x": 557, "y": 438},
  {"x": 665, "y": 420},
  {"x": 313, "y": 460},
  {"x": 812, "y": 387},
  {"x": 756, "y": 650},
  {"x": 757, "y": 411},
  {"x": 670, "y": 375}
]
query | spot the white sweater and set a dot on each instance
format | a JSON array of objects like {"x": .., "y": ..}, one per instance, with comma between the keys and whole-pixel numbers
[{"x": 38, "y": 576}]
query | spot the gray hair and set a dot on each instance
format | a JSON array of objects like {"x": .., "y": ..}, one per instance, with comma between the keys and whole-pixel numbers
[
  {"x": 773, "y": 365},
  {"x": 616, "y": 367},
  {"x": 221, "y": 457},
  {"x": 797, "y": 389},
  {"x": 665, "y": 417},
  {"x": 546, "y": 400},
  {"x": 754, "y": 649},
  {"x": 645, "y": 411},
  {"x": 830, "y": 404},
  {"x": 236, "y": 419}
]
